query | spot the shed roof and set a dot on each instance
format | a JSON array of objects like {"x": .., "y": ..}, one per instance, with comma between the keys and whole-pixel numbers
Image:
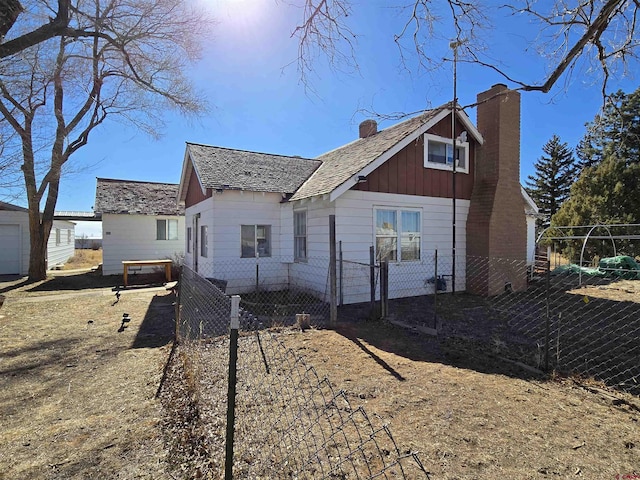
[
  {"x": 11, "y": 207},
  {"x": 135, "y": 197},
  {"x": 231, "y": 169}
]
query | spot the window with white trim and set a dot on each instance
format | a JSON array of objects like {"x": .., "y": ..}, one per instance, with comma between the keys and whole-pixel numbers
[
  {"x": 189, "y": 239},
  {"x": 300, "y": 235},
  {"x": 204, "y": 241},
  {"x": 255, "y": 239},
  {"x": 166, "y": 229},
  {"x": 58, "y": 236},
  {"x": 437, "y": 153},
  {"x": 398, "y": 234}
]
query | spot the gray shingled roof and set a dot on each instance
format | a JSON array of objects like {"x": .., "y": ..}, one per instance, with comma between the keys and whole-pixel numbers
[
  {"x": 12, "y": 208},
  {"x": 231, "y": 169},
  {"x": 342, "y": 163},
  {"x": 132, "y": 197}
]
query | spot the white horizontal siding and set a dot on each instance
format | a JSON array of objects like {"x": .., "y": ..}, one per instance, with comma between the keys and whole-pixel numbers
[
  {"x": 59, "y": 253},
  {"x": 133, "y": 237},
  {"x": 355, "y": 228},
  {"x": 21, "y": 219}
]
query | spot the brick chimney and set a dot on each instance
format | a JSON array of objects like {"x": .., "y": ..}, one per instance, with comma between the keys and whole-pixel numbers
[
  {"x": 368, "y": 128},
  {"x": 496, "y": 224}
]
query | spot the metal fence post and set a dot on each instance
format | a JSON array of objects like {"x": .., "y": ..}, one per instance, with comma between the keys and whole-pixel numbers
[
  {"x": 333, "y": 314},
  {"x": 384, "y": 288},
  {"x": 546, "y": 328},
  {"x": 340, "y": 272},
  {"x": 231, "y": 387},
  {"x": 372, "y": 281},
  {"x": 435, "y": 290}
]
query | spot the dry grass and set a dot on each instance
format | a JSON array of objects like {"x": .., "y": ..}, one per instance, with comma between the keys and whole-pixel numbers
[
  {"x": 84, "y": 258},
  {"x": 468, "y": 416},
  {"x": 77, "y": 390}
]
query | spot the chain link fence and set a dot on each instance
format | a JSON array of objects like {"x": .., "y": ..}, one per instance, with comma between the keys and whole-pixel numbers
[
  {"x": 568, "y": 319},
  {"x": 286, "y": 420}
]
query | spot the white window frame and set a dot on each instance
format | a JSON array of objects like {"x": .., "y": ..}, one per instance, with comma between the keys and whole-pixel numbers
[
  {"x": 463, "y": 146},
  {"x": 399, "y": 231},
  {"x": 167, "y": 230},
  {"x": 300, "y": 237},
  {"x": 256, "y": 239},
  {"x": 58, "y": 238},
  {"x": 189, "y": 239},
  {"x": 68, "y": 237},
  {"x": 204, "y": 241}
]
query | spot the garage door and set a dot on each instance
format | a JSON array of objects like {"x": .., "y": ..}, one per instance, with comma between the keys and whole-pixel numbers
[{"x": 9, "y": 249}]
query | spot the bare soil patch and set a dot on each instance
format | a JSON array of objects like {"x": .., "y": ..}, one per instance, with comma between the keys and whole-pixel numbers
[
  {"x": 77, "y": 384},
  {"x": 468, "y": 415},
  {"x": 472, "y": 418}
]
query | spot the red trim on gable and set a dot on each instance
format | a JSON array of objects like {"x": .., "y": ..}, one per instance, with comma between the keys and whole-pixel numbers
[
  {"x": 404, "y": 173},
  {"x": 194, "y": 191}
]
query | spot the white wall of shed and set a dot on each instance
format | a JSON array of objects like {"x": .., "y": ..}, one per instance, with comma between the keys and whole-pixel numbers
[
  {"x": 133, "y": 237},
  {"x": 59, "y": 253},
  {"x": 21, "y": 219}
]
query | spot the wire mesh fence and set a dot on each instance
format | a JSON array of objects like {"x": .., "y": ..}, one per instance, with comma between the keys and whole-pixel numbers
[
  {"x": 572, "y": 319},
  {"x": 567, "y": 318},
  {"x": 288, "y": 421}
]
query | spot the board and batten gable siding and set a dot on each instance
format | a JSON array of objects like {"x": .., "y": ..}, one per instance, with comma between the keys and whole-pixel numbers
[
  {"x": 133, "y": 237},
  {"x": 405, "y": 173},
  {"x": 59, "y": 253},
  {"x": 224, "y": 214},
  {"x": 355, "y": 228},
  {"x": 10, "y": 222}
]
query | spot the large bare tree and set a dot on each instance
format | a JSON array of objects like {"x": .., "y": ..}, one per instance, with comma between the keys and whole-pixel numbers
[
  {"x": 114, "y": 58},
  {"x": 593, "y": 36}
]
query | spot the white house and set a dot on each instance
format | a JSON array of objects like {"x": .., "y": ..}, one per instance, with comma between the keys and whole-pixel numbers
[
  {"x": 532, "y": 212},
  {"x": 14, "y": 241},
  {"x": 140, "y": 221},
  {"x": 255, "y": 217}
]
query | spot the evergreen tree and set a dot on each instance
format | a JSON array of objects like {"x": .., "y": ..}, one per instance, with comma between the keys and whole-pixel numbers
[
  {"x": 555, "y": 172},
  {"x": 613, "y": 132},
  {"x": 608, "y": 186}
]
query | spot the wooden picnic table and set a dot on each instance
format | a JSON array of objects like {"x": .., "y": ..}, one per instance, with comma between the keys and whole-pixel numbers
[{"x": 147, "y": 263}]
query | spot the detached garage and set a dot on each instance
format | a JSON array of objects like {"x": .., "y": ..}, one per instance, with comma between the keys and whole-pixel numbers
[{"x": 14, "y": 240}]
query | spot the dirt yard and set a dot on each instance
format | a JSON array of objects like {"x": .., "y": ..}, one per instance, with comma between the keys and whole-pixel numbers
[{"x": 77, "y": 384}]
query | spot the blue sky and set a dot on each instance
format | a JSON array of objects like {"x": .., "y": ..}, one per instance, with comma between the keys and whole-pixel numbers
[{"x": 249, "y": 75}]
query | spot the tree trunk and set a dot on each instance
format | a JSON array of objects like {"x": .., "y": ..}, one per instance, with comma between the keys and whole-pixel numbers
[{"x": 39, "y": 231}]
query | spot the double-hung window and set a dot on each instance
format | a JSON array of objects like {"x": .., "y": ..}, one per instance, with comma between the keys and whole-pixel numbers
[
  {"x": 300, "y": 235},
  {"x": 438, "y": 153},
  {"x": 398, "y": 237},
  {"x": 255, "y": 240},
  {"x": 166, "y": 229}
]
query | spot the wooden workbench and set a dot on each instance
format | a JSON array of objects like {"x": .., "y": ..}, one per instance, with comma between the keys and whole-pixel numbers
[{"x": 147, "y": 263}]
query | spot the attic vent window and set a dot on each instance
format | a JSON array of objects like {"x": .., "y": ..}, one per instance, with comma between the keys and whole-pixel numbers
[{"x": 438, "y": 153}]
